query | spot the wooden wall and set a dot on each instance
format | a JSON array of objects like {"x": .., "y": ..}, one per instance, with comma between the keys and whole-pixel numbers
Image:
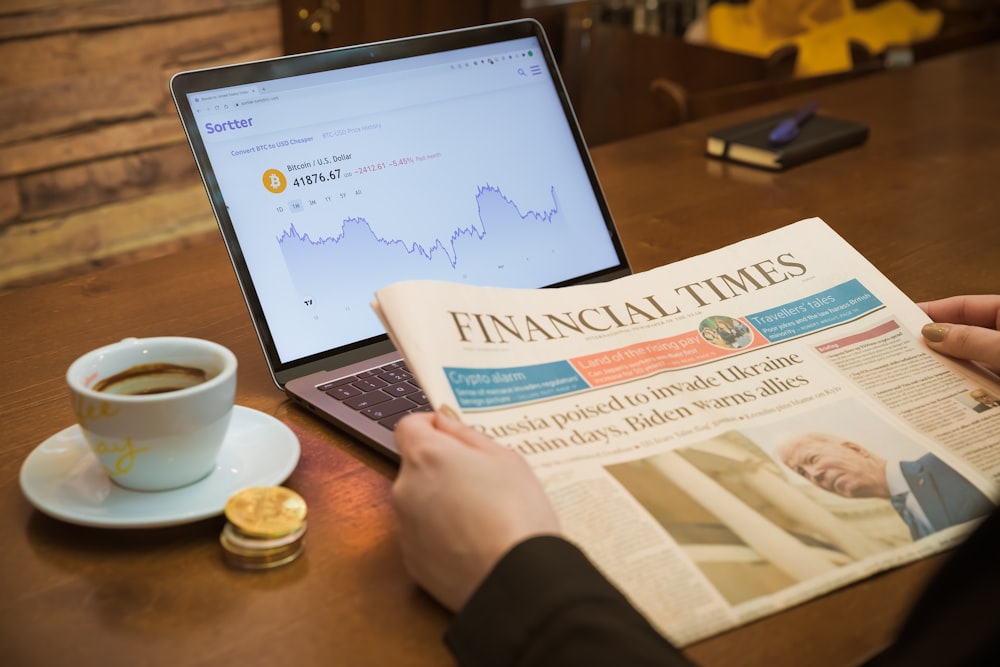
[{"x": 94, "y": 167}]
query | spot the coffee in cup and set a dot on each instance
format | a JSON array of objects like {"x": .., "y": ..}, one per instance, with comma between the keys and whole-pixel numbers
[
  {"x": 156, "y": 378},
  {"x": 155, "y": 411}
]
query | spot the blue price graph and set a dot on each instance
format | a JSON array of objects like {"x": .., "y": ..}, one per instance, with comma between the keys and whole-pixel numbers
[{"x": 499, "y": 245}]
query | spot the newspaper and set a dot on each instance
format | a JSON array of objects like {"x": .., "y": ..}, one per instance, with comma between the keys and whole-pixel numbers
[{"x": 692, "y": 424}]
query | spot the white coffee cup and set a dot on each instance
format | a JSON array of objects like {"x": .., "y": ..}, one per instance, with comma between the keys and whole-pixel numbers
[{"x": 155, "y": 410}]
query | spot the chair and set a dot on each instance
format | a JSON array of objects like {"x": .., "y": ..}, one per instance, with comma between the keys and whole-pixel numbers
[{"x": 609, "y": 72}]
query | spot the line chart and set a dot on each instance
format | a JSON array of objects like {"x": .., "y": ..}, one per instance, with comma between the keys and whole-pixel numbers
[{"x": 499, "y": 238}]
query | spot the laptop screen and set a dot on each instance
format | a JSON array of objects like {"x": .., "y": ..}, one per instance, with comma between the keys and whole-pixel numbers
[{"x": 334, "y": 174}]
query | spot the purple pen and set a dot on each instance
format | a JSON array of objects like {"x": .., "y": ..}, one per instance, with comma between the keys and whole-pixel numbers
[{"x": 788, "y": 129}]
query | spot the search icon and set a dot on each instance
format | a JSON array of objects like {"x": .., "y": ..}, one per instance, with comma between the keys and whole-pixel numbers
[{"x": 520, "y": 71}]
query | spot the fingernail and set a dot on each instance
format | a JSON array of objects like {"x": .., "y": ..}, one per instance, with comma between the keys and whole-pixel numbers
[
  {"x": 935, "y": 332},
  {"x": 448, "y": 412}
]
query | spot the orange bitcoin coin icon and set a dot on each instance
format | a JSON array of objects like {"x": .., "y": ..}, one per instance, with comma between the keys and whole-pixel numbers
[{"x": 275, "y": 181}]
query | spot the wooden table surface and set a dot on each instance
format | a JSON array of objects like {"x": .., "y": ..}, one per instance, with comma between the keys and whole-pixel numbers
[{"x": 921, "y": 199}]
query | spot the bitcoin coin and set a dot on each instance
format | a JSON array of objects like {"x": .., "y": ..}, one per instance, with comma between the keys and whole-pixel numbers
[
  {"x": 257, "y": 553},
  {"x": 266, "y": 511}
]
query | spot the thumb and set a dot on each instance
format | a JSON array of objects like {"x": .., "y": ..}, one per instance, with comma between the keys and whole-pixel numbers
[{"x": 965, "y": 342}]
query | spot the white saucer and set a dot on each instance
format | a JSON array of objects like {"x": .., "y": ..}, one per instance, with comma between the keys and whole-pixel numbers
[{"x": 63, "y": 478}]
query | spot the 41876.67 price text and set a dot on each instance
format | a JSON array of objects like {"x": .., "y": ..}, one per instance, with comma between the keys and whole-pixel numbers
[{"x": 317, "y": 177}]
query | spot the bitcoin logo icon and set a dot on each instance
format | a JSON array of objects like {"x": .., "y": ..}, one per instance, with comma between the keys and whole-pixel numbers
[{"x": 275, "y": 181}]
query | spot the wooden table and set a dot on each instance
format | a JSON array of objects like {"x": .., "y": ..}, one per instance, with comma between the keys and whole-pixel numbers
[{"x": 921, "y": 199}]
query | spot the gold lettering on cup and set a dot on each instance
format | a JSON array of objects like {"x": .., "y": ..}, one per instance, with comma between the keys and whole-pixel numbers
[
  {"x": 126, "y": 452},
  {"x": 88, "y": 412}
]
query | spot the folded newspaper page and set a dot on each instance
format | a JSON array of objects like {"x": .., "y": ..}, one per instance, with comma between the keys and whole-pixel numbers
[{"x": 728, "y": 435}]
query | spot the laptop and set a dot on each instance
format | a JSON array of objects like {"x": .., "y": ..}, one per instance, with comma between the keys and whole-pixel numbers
[{"x": 452, "y": 156}]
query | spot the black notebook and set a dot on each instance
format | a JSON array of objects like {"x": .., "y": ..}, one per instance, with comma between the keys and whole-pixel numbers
[{"x": 748, "y": 143}]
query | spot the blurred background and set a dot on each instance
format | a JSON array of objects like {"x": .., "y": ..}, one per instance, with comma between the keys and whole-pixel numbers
[{"x": 95, "y": 170}]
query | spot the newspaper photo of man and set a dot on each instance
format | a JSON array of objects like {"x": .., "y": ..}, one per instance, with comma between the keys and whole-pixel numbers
[
  {"x": 928, "y": 494},
  {"x": 984, "y": 400}
]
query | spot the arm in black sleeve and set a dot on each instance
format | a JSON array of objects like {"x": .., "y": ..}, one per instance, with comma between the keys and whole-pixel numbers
[
  {"x": 546, "y": 604},
  {"x": 955, "y": 622}
]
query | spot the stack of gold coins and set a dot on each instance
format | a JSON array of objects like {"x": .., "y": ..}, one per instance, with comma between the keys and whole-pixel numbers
[{"x": 265, "y": 528}]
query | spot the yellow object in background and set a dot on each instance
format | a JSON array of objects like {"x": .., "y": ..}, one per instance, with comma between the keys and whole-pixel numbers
[{"x": 821, "y": 29}]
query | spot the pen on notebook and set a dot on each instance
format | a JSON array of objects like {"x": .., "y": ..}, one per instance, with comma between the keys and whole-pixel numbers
[{"x": 788, "y": 129}]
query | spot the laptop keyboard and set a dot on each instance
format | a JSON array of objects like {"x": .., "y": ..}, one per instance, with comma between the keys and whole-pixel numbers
[{"x": 384, "y": 394}]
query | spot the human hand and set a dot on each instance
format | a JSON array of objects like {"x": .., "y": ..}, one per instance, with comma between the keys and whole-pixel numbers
[
  {"x": 966, "y": 327},
  {"x": 463, "y": 502}
]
